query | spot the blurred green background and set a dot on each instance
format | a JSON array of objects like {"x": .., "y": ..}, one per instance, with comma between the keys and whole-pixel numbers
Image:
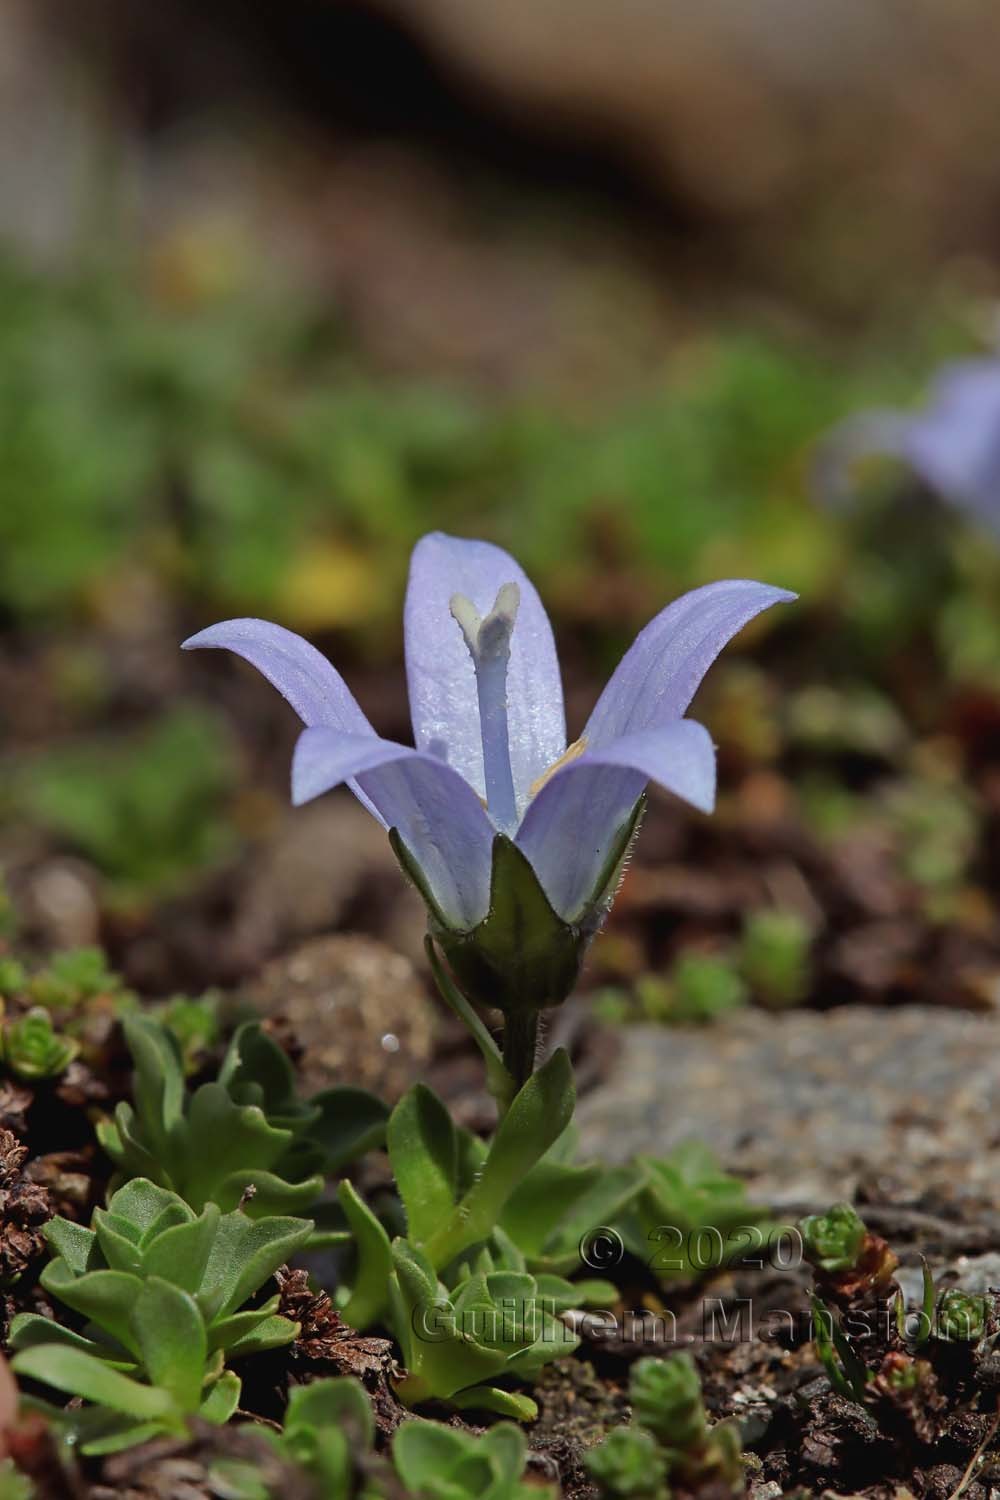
[{"x": 283, "y": 287}]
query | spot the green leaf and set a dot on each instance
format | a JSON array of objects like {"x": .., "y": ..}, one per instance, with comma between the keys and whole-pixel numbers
[
  {"x": 424, "y": 1451},
  {"x": 269, "y": 1333},
  {"x": 158, "y": 1085},
  {"x": 77, "y": 1373},
  {"x": 77, "y": 1246},
  {"x": 245, "y": 1253},
  {"x": 180, "y": 1254},
  {"x": 30, "y": 1329},
  {"x": 537, "y": 1117},
  {"x": 170, "y": 1335},
  {"x": 143, "y": 1203},
  {"x": 221, "y": 1399},
  {"x": 104, "y": 1297},
  {"x": 272, "y": 1195},
  {"x": 121, "y": 1251},
  {"x": 339, "y": 1400},
  {"x": 226, "y": 1138},
  {"x": 491, "y": 1398},
  {"x": 423, "y": 1151},
  {"x": 253, "y": 1057},
  {"x": 351, "y": 1121},
  {"x": 370, "y": 1291}
]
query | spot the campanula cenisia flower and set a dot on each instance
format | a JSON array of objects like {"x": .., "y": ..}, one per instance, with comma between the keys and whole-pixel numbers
[{"x": 496, "y": 818}]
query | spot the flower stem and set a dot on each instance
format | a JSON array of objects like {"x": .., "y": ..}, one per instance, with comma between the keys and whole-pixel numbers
[{"x": 520, "y": 1042}]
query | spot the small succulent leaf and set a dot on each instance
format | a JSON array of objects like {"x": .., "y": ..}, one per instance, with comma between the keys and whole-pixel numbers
[
  {"x": 104, "y": 1297},
  {"x": 180, "y": 1254},
  {"x": 373, "y": 1262},
  {"x": 270, "y": 1333},
  {"x": 508, "y": 1449},
  {"x": 229, "y": 1138},
  {"x": 591, "y": 1291},
  {"x": 423, "y": 1151},
  {"x": 221, "y": 1399},
  {"x": 272, "y": 1195},
  {"x": 351, "y": 1121},
  {"x": 121, "y": 1251},
  {"x": 143, "y": 1202},
  {"x": 244, "y": 1254},
  {"x": 77, "y": 1373},
  {"x": 339, "y": 1400},
  {"x": 561, "y": 1294},
  {"x": 538, "y": 1115},
  {"x": 553, "y": 1340},
  {"x": 601, "y": 1197},
  {"x": 121, "y": 1139},
  {"x": 29, "y": 1329},
  {"x": 170, "y": 1335},
  {"x": 473, "y": 1475},
  {"x": 158, "y": 1086},
  {"x": 423, "y": 1452},
  {"x": 491, "y": 1398},
  {"x": 254, "y": 1057},
  {"x": 115, "y": 1434},
  {"x": 225, "y": 1332},
  {"x": 76, "y": 1246}
]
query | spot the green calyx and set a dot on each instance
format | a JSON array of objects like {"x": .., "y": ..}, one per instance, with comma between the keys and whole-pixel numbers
[
  {"x": 169, "y": 1298},
  {"x": 522, "y": 957}
]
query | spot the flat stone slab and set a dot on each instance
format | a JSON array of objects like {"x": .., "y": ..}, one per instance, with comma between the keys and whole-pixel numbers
[{"x": 807, "y": 1105}]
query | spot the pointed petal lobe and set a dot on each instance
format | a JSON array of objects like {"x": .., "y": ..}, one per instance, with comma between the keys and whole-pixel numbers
[
  {"x": 314, "y": 688},
  {"x": 571, "y": 828},
  {"x": 437, "y": 814},
  {"x": 659, "y": 674},
  {"x": 440, "y": 675}
]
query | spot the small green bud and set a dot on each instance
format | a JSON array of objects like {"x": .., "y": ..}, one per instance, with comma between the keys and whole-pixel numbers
[
  {"x": 666, "y": 1400},
  {"x": 628, "y": 1463},
  {"x": 833, "y": 1241},
  {"x": 962, "y": 1317},
  {"x": 32, "y": 1049}
]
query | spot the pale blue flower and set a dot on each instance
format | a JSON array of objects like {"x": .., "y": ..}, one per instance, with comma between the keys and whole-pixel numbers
[{"x": 491, "y": 757}]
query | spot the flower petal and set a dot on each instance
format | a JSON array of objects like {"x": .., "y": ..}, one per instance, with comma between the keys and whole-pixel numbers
[
  {"x": 659, "y": 674},
  {"x": 570, "y": 829},
  {"x": 954, "y": 444},
  {"x": 314, "y": 688},
  {"x": 436, "y": 813},
  {"x": 439, "y": 670}
]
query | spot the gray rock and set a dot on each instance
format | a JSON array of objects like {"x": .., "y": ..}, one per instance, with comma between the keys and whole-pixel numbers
[{"x": 806, "y": 1105}]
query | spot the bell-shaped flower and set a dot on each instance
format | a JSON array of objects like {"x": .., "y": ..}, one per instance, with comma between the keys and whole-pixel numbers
[{"x": 514, "y": 839}]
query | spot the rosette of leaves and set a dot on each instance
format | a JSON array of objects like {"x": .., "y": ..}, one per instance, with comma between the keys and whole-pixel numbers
[
  {"x": 246, "y": 1130},
  {"x": 689, "y": 1216},
  {"x": 329, "y": 1434},
  {"x": 444, "y": 1463},
  {"x": 670, "y": 1440},
  {"x": 33, "y": 1049},
  {"x": 455, "y": 1290},
  {"x": 165, "y": 1296}
]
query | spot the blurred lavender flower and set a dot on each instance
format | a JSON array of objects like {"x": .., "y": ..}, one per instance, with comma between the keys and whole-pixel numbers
[
  {"x": 492, "y": 793},
  {"x": 952, "y": 444}
]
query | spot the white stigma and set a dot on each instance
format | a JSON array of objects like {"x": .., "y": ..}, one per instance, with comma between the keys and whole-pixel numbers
[{"x": 488, "y": 640}]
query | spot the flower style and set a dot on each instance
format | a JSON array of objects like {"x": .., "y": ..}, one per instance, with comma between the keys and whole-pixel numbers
[
  {"x": 514, "y": 839},
  {"x": 952, "y": 444}
]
